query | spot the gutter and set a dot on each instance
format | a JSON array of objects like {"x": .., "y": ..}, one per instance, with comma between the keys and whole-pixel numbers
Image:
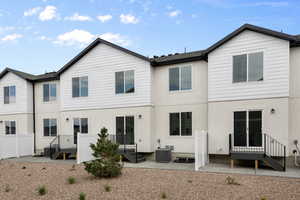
[{"x": 33, "y": 115}]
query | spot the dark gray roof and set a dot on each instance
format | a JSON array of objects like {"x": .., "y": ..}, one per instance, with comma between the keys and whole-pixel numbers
[
  {"x": 30, "y": 77},
  {"x": 293, "y": 39},
  {"x": 202, "y": 55},
  {"x": 178, "y": 58},
  {"x": 23, "y": 75}
]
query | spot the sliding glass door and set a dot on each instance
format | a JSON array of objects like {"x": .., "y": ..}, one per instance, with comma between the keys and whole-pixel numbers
[
  {"x": 125, "y": 130},
  {"x": 247, "y": 126}
]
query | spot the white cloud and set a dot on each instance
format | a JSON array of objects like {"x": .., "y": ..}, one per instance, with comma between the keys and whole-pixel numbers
[
  {"x": 104, "y": 18},
  {"x": 128, "y": 19},
  {"x": 75, "y": 37},
  {"x": 174, "y": 13},
  {"x": 32, "y": 11},
  {"x": 48, "y": 13},
  {"x": 115, "y": 38},
  {"x": 77, "y": 17},
  {"x": 82, "y": 37},
  {"x": 11, "y": 37}
]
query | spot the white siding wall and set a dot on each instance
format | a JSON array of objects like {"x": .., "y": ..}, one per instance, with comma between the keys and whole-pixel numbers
[
  {"x": 46, "y": 110},
  {"x": 165, "y": 102},
  {"x": 294, "y": 100},
  {"x": 23, "y": 95},
  {"x": 100, "y": 65},
  {"x": 276, "y": 68},
  {"x": 24, "y": 123},
  {"x": 220, "y": 120}
]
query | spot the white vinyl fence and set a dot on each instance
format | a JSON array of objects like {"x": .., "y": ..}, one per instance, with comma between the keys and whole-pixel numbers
[
  {"x": 16, "y": 145},
  {"x": 201, "y": 149},
  {"x": 84, "y": 152}
]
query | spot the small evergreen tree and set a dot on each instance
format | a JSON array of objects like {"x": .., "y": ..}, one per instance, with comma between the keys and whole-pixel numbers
[{"x": 107, "y": 159}]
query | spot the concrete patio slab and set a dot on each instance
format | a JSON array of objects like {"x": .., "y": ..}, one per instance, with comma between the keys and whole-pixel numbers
[{"x": 212, "y": 167}]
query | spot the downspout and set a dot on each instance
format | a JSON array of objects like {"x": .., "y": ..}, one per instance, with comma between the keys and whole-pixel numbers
[{"x": 33, "y": 115}]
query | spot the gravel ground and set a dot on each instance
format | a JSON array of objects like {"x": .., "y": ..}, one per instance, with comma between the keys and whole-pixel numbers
[{"x": 22, "y": 179}]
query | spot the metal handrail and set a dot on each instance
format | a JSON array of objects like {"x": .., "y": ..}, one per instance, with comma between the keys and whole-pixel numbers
[
  {"x": 51, "y": 143},
  {"x": 271, "y": 147}
]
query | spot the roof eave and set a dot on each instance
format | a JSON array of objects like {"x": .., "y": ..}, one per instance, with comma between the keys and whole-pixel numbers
[
  {"x": 155, "y": 63},
  {"x": 91, "y": 46},
  {"x": 250, "y": 27}
]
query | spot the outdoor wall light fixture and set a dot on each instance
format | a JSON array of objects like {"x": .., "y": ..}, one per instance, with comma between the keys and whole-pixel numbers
[
  {"x": 140, "y": 116},
  {"x": 67, "y": 119},
  {"x": 1, "y": 121},
  {"x": 272, "y": 111}
]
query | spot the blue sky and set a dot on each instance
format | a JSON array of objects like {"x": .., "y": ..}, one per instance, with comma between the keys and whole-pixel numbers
[{"x": 42, "y": 35}]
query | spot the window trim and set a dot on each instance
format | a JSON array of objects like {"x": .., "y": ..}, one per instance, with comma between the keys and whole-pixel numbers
[
  {"x": 54, "y": 97},
  {"x": 9, "y": 97},
  {"x": 80, "y": 124},
  {"x": 181, "y": 136},
  {"x": 247, "y": 69},
  {"x": 79, "y": 86},
  {"x": 50, "y": 127},
  {"x": 180, "y": 89},
  {"x": 10, "y": 127},
  {"x": 124, "y": 83},
  {"x": 124, "y": 125},
  {"x": 247, "y": 125}
]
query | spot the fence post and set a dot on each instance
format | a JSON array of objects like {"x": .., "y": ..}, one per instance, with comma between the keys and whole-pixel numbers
[
  {"x": 196, "y": 150},
  {"x": 17, "y": 145},
  {"x": 78, "y": 148}
]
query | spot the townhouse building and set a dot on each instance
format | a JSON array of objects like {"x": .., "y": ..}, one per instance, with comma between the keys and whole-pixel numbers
[{"x": 243, "y": 90}]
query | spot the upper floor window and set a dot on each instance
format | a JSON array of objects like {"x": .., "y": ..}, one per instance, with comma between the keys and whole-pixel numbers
[
  {"x": 248, "y": 67},
  {"x": 10, "y": 127},
  {"x": 50, "y": 127},
  {"x": 180, "y": 124},
  {"x": 180, "y": 78},
  {"x": 80, "y": 86},
  {"x": 124, "y": 82},
  {"x": 49, "y": 92},
  {"x": 9, "y": 94}
]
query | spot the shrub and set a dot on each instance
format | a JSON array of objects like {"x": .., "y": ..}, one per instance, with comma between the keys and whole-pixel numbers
[
  {"x": 190, "y": 181},
  {"x": 7, "y": 188},
  {"x": 82, "y": 196},
  {"x": 107, "y": 159},
  {"x": 263, "y": 198},
  {"x": 231, "y": 181},
  {"x": 23, "y": 167},
  {"x": 163, "y": 195},
  {"x": 71, "y": 180},
  {"x": 42, "y": 190},
  {"x": 107, "y": 188}
]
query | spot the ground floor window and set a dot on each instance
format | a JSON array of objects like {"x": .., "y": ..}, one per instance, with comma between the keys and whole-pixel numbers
[
  {"x": 80, "y": 125},
  {"x": 247, "y": 128},
  {"x": 50, "y": 127},
  {"x": 125, "y": 129},
  {"x": 10, "y": 127},
  {"x": 180, "y": 124}
]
